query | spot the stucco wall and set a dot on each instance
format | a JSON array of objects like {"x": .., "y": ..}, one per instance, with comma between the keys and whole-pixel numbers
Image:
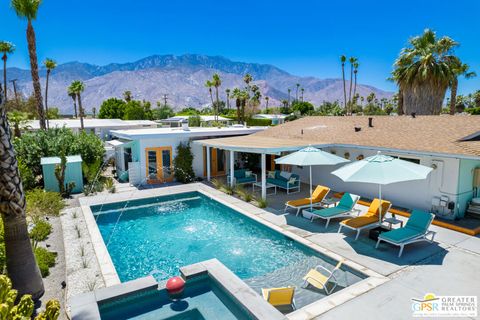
[
  {"x": 465, "y": 183},
  {"x": 412, "y": 194}
]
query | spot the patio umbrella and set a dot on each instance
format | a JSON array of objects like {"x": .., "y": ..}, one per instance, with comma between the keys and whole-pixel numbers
[
  {"x": 382, "y": 170},
  {"x": 310, "y": 156}
]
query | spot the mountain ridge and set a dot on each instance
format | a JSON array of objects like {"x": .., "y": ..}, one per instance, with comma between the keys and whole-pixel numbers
[{"x": 181, "y": 77}]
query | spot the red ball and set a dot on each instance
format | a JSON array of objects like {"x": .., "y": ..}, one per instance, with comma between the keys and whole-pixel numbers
[{"x": 175, "y": 285}]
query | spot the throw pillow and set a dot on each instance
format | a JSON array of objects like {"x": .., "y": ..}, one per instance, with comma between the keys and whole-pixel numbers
[
  {"x": 292, "y": 180},
  {"x": 271, "y": 174},
  {"x": 286, "y": 175},
  {"x": 248, "y": 174}
]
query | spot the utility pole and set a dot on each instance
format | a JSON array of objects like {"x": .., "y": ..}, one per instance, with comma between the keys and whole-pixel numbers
[
  {"x": 14, "y": 82},
  {"x": 165, "y": 98}
]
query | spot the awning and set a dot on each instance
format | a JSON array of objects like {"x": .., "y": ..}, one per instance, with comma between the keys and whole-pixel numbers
[
  {"x": 117, "y": 143},
  {"x": 253, "y": 144}
]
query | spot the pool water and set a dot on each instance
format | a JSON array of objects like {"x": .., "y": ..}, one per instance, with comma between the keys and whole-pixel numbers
[
  {"x": 202, "y": 299},
  {"x": 157, "y": 236}
]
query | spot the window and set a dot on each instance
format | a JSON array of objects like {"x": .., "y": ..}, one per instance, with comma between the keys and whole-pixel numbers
[{"x": 127, "y": 157}]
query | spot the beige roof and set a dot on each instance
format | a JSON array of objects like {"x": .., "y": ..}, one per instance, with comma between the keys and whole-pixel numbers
[{"x": 426, "y": 134}]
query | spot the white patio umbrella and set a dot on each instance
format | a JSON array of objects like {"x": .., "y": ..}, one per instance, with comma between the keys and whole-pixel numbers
[
  {"x": 310, "y": 156},
  {"x": 382, "y": 170}
]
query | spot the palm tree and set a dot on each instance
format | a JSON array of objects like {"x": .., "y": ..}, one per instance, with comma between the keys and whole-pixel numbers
[
  {"x": 241, "y": 97},
  {"x": 352, "y": 61},
  {"x": 6, "y": 48},
  {"x": 303, "y": 91},
  {"x": 266, "y": 102},
  {"x": 73, "y": 95},
  {"x": 296, "y": 93},
  {"x": 21, "y": 265},
  {"x": 343, "y": 59},
  {"x": 355, "y": 72},
  {"x": 50, "y": 65},
  {"x": 28, "y": 9},
  {"x": 127, "y": 96},
  {"x": 209, "y": 85},
  {"x": 424, "y": 71},
  {"x": 289, "y": 91},
  {"x": 227, "y": 91},
  {"x": 77, "y": 87},
  {"x": 216, "y": 82},
  {"x": 459, "y": 69},
  {"x": 247, "y": 79}
]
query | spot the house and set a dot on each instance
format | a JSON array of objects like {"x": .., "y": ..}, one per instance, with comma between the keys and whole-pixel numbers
[
  {"x": 276, "y": 118},
  {"x": 448, "y": 144},
  {"x": 147, "y": 154},
  {"x": 205, "y": 121},
  {"x": 101, "y": 127}
]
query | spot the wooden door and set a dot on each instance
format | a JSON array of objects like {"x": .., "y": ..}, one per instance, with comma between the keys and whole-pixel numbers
[{"x": 159, "y": 164}]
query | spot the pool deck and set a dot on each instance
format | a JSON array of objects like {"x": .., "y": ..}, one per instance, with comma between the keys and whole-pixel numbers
[{"x": 447, "y": 267}]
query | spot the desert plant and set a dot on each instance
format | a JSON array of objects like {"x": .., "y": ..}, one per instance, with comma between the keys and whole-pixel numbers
[
  {"x": 227, "y": 189},
  {"x": 45, "y": 260},
  {"x": 42, "y": 203},
  {"x": 261, "y": 203},
  {"x": 244, "y": 194},
  {"x": 40, "y": 232},
  {"x": 52, "y": 311},
  {"x": 110, "y": 185},
  {"x": 217, "y": 184},
  {"x": 84, "y": 263}
]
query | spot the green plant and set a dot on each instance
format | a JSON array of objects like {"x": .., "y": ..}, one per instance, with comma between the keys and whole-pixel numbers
[
  {"x": 112, "y": 108},
  {"x": 227, "y": 189},
  {"x": 65, "y": 189},
  {"x": 52, "y": 311},
  {"x": 45, "y": 260},
  {"x": 259, "y": 122},
  {"x": 217, "y": 184},
  {"x": 182, "y": 164},
  {"x": 27, "y": 176},
  {"x": 261, "y": 203},
  {"x": 43, "y": 203},
  {"x": 242, "y": 193},
  {"x": 40, "y": 232}
]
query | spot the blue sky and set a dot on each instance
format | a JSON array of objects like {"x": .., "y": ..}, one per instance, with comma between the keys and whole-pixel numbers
[{"x": 304, "y": 37}]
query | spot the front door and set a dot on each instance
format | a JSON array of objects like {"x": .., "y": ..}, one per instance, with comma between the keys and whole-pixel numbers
[
  {"x": 159, "y": 164},
  {"x": 217, "y": 162}
]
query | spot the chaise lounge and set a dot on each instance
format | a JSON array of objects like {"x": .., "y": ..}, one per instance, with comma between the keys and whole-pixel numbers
[
  {"x": 285, "y": 180},
  {"x": 318, "y": 196},
  {"x": 415, "y": 230},
  {"x": 344, "y": 208},
  {"x": 369, "y": 220}
]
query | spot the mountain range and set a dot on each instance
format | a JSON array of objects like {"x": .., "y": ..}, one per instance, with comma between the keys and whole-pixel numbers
[{"x": 182, "y": 78}]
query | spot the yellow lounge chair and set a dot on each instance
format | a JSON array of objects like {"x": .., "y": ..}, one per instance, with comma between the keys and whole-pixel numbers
[
  {"x": 279, "y": 297},
  {"x": 320, "y": 280},
  {"x": 368, "y": 220},
  {"x": 318, "y": 196}
]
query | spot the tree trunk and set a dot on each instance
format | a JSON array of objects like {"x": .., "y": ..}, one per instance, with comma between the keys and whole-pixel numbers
[
  {"x": 453, "y": 96},
  {"x": 217, "y": 107},
  {"x": 424, "y": 98},
  {"x": 350, "y": 90},
  {"x": 46, "y": 97},
  {"x": 21, "y": 265},
  {"x": 400, "y": 107},
  {"x": 80, "y": 111},
  {"x": 4, "y": 58},
  {"x": 75, "y": 106},
  {"x": 355, "y": 85},
  {"x": 344, "y": 88},
  {"x": 32, "y": 51}
]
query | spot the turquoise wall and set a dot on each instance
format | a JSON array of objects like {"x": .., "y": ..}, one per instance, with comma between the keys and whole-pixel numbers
[
  {"x": 73, "y": 173},
  {"x": 465, "y": 184}
]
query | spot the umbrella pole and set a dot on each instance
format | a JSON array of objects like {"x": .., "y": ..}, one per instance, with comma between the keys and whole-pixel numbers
[
  {"x": 380, "y": 208},
  {"x": 311, "y": 200}
]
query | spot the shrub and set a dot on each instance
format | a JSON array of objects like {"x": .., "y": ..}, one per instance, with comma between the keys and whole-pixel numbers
[
  {"x": 259, "y": 122},
  {"x": 244, "y": 194},
  {"x": 261, "y": 203},
  {"x": 473, "y": 111},
  {"x": 112, "y": 108},
  {"x": 44, "y": 203},
  {"x": 194, "y": 120},
  {"x": 40, "y": 232},
  {"x": 182, "y": 164},
  {"x": 45, "y": 260},
  {"x": 217, "y": 184},
  {"x": 27, "y": 176}
]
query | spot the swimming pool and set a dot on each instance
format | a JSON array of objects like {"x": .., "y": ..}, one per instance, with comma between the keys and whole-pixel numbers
[{"x": 156, "y": 236}]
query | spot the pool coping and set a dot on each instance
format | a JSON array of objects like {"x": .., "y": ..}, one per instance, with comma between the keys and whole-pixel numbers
[{"x": 262, "y": 216}]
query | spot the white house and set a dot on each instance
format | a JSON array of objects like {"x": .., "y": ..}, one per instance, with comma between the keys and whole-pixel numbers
[
  {"x": 276, "y": 118},
  {"x": 177, "y": 121},
  {"x": 147, "y": 154}
]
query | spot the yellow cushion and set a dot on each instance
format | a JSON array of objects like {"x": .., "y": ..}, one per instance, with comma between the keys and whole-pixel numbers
[
  {"x": 279, "y": 296},
  {"x": 316, "y": 279},
  {"x": 375, "y": 205},
  {"x": 317, "y": 196},
  {"x": 359, "y": 222}
]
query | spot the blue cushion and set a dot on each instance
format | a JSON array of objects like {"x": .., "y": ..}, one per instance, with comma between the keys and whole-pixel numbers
[
  {"x": 245, "y": 180},
  {"x": 400, "y": 235},
  {"x": 419, "y": 221},
  {"x": 240, "y": 173},
  {"x": 347, "y": 201}
]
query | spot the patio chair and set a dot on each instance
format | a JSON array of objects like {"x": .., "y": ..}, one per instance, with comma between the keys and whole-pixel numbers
[
  {"x": 318, "y": 196},
  {"x": 344, "y": 208},
  {"x": 415, "y": 230},
  {"x": 319, "y": 277},
  {"x": 280, "y": 297},
  {"x": 368, "y": 220}
]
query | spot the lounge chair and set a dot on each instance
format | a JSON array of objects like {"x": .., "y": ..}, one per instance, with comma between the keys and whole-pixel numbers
[
  {"x": 318, "y": 196},
  {"x": 344, "y": 208},
  {"x": 415, "y": 230},
  {"x": 280, "y": 297},
  {"x": 368, "y": 220},
  {"x": 283, "y": 180},
  {"x": 319, "y": 280}
]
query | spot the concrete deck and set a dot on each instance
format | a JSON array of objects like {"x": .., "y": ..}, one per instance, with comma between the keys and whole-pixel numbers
[{"x": 447, "y": 267}]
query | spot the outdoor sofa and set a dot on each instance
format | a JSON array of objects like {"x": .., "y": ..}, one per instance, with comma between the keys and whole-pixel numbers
[{"x": 284, "y": 180}]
